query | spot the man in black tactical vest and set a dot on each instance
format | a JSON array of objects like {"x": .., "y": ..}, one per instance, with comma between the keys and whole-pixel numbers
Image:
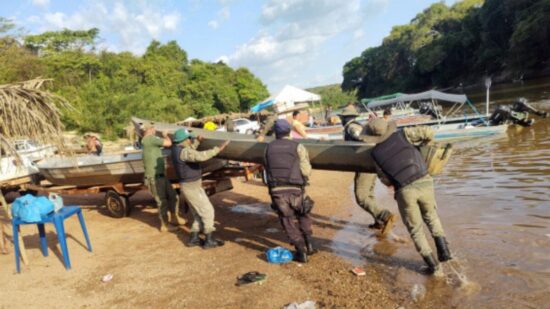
[
  {"x": 186, "y": 163},
  {"x": 401, "y": 165},
  {"x": 364, "y": 182},
  {"x": 287, "y": 166}
]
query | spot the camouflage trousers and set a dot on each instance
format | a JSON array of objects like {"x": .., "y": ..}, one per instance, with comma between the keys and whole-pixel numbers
[
  {"x": 416, "y": 203},
  {"x": 364, "y": 195},
  {"x": 200, "y": 206}
]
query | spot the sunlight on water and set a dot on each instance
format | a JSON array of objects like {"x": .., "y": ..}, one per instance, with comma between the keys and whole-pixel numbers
[{"x": 514, "y": 169}]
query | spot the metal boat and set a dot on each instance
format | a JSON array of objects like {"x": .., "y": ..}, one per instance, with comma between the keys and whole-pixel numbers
[
  {"x": 14, "y": 172},
  {"x": 108, "y": 169},
  {"x": 326, "y": 155}
]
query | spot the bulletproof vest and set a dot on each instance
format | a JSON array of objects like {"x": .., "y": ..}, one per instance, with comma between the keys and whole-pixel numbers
[
  {"x": 186, "y": 171},
  {"x": 347, "y": 135},
  {"x": 283, "y": 164},
  {"x": 399, "y": 160}
]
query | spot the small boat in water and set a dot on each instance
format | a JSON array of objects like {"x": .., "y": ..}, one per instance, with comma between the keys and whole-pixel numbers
[{"x": 426, "y": 108}]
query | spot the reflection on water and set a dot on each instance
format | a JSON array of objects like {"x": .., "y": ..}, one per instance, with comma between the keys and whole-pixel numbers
[{"x": 514, "y": 170}]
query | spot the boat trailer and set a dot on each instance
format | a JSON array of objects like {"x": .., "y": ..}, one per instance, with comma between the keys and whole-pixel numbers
[{"x": 117, "y": 196}]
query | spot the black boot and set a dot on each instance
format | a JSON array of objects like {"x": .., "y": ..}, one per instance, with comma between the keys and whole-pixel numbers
[
  {"x": 443, "y": 253},
  {"x": 193, "y": 240},
  {"x": 211, "y": 242},
  {"x": 433, "y": 265},
  {"x": 310, "y": 248},
  {"x": 300, "y": 255}
]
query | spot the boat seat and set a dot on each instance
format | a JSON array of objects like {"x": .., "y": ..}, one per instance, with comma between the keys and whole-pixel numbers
[{"x": 57, "y": 219}]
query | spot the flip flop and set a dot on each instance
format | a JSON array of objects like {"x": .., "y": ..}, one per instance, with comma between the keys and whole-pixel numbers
[{"x": 250, "y": 277}]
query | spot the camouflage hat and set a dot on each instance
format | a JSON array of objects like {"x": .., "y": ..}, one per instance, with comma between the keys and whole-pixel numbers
[
  {"x": 378, "y": 130},
  {"x": 349, "y": 111}
]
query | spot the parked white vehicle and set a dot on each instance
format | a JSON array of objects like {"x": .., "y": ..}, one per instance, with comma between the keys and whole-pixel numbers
[{"x": 246, "y": 126}]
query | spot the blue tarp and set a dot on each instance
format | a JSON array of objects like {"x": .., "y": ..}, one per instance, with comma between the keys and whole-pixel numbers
[{"x": 261, "y": 106}]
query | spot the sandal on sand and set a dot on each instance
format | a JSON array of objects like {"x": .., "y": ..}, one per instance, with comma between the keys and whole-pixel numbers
[{"x": 250, "y": 277}]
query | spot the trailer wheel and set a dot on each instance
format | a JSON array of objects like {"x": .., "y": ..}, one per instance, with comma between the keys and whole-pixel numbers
[{"x": 117, "y": 205}]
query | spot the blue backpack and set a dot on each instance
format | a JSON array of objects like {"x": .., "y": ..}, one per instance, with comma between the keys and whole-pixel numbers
[{"x": 30, "y": 208}]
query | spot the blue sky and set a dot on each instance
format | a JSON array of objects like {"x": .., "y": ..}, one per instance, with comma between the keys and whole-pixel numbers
[{"x": 304, "y": 43}]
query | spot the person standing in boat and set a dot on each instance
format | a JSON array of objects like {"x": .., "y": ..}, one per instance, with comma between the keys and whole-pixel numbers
[
  {"x": 186, "y": 163},
  {"x": 387, "y": 114},
  {"x": 298, "y": 128},
  {"x": 93, "y": 144},
  {"x": 364, "y": 182},
  {"x": 155, "y": 177},
  {"x": 400, "y": 164},
  {"x": 288, "y": 168}
]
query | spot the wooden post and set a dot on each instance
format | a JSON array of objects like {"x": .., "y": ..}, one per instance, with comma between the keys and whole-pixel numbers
[{"x": 7, "y": 214}]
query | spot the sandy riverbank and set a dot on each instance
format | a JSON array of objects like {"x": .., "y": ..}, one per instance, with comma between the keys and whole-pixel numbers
[{"x": 153, "y": 269}]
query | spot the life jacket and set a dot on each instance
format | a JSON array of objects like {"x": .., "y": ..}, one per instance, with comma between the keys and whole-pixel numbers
[
  {"x": 283, "y": 164},
  {"x": 347, "y": 135},
  {"x": 399, "y": 160},
  {"x": 186, "y": 171}
]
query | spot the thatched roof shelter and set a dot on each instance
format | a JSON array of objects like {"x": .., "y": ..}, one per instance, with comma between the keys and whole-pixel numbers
[{"x": 28, "y": 112}]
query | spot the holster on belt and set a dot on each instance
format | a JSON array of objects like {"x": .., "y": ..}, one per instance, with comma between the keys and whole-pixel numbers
[{"x": 436, "y": 156}]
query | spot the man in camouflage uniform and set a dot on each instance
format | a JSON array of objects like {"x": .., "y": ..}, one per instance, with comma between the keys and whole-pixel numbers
[
  {"x": 155, "y": 177},
  {"x": 267, "y": 127},
  {"x": 400, "y": 164},
  {"x": 186, "y": 163},
  {"x": 364, "y": 182}
]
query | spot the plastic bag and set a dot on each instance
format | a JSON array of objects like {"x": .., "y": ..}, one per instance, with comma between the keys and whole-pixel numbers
[
  {"x": 279, "y": 255},
  {"x": 57, "y": 201},
  {"x": 44, "y": 205},
  {"x": 29, "y": 208}
]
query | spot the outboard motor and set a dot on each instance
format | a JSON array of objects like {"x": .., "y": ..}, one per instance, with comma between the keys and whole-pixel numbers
[
  {"x": 517, "y": 114},
  {"x": 521, "y": 106},
  {"x": 426, "y": 108},
  {"x": 500, "y": 115}
]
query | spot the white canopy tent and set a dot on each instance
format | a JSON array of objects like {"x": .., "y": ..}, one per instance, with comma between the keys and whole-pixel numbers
[{"x": 290, "y": 96}]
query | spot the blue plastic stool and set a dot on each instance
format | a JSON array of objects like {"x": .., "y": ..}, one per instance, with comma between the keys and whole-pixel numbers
[{"x": 57, "y": 219}]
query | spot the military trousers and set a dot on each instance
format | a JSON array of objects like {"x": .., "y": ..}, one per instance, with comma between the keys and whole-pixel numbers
[
  {"x": 200, "y": 206},
  {"x": 416, "y": 203},
  {"x": 165, "y": 196},
  {"x": 364, "y": 195},
  {"x": 296, "y": 223}
]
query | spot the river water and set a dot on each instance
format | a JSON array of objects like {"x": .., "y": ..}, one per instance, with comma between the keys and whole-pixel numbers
[{"x": 494, "y": 202}]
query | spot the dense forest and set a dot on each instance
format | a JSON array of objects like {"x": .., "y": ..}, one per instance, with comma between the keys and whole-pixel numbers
[
  {"x": 106, "y": 88},
  {"x": 332, "y": 95},
  {"x": 446, "y": 47}
]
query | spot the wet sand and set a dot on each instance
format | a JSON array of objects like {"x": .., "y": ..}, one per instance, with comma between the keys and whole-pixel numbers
[{"x": 493, "y": 201}]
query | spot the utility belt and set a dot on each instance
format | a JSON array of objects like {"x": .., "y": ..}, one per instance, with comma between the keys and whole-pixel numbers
[
  {"x": 307, "y": 202},
  {"x": 436, "y": 156}
]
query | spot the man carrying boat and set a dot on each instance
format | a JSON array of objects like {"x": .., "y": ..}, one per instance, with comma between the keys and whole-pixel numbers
[
  {"x": 288, "y": 168},
  {"x": 186, "y": 163},
  {"x": 401, "y": 165},
  {"x": 155, "y": 177},
  {"x": 364, "y": 182}
]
